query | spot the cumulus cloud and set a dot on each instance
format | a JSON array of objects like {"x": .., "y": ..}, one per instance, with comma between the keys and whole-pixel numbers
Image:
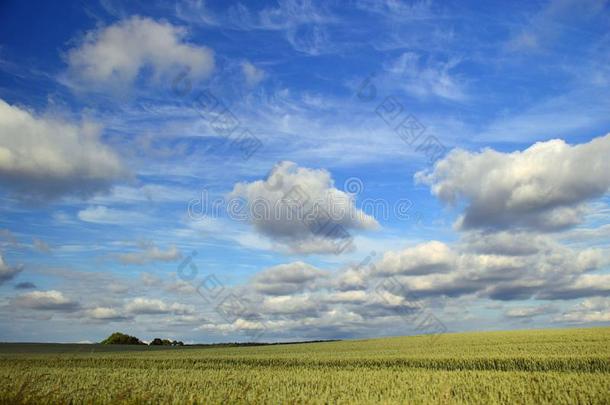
[
  {"x": 506, "y": 243},
  {"x": 588, "y": 311},
  {"x": 299, "y": 208},
  {"x": 551, "y": 272},
  {"x": 48, "y": 157},
  {"x": 317, "y": 314},
  {"x": 51, "y": 300},
  {"x": 429, "y": 257},
  {"x": 178, "y": 314},
  {"x": 113, "y": 56},
  {"x": 297, "y": 306},
  {"x": 352, "y": 279},
  {"x": 146, "y": 306},
  {"x": 7, "y": 272},
  {"x": 297, "y": 298},
  {"x": 150, "y": 253},
  {"x": 527, "y": 312},
  {"x": 105, "y": 314},
  {"x": 180, "y": 287},
  {"x": 586, "y": 285},
  {"x": 349, "y": 297},
  {"x": 287, "y": 279},
  {"x": 543, "y": 187},
  {"x": 252, "y": 74}
]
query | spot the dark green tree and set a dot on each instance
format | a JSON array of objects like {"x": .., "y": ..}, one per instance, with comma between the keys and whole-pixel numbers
[{"x": 118, "y": 338}]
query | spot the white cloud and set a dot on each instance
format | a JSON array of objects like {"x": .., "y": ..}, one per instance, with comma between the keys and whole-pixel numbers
[
  {"x": 51, "y": 300},
  {"x": 290, "y": 305},
  {"x": 150, "y": 280},
  {"x": 548, "y": 25},
  {"x": 553, "y": 272},
  {"x": 543, "y": 187},
  {"x": 114, "y": 56},
  {"x": 289, "y": 301},
  {"x": 41, "y": 246},
  {"x": 351, "y": 297},
  {"x": 291, "y": 13},
  {"x": 429, "y": 257},
  {"x": 103, "y": 215},
  {"x": 301, "y": 22},
  {"x": 426, "y": 78},
  {"x": 105, "y": 314},
  {"x": 398, "y": 10},
  {"x": 287, "y": 279},
  {"x": 196, "y": 11},
  {"x": 150, "y": 253},
  {"x": 526, "y": 312},
  {"x": 146, "y": 306},
  {"x": 181, "y": 288},
  {"x": 252, "y": 74},
  {"x": 9, "y": 237},
  {"x": 505, "y": 243},
  {"x": 48, "y": 157},
  {"x": 301, "y": 209},
  {"x": 590, "y": 310},
  {"x": 586, "y": 285}
]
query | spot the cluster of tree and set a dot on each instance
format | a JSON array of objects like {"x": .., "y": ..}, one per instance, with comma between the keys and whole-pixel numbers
[
  {"x": 118, "y": 338},
  {"x": 165, "y": 342}
]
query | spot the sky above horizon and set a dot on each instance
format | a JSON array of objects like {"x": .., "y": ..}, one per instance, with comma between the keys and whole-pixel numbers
[{"x": 223, "y": 171}]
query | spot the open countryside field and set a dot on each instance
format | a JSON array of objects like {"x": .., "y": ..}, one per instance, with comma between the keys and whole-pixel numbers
[{"x": 561, "y": 366}]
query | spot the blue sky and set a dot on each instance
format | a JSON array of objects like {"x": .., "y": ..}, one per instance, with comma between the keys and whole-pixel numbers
[{"x": 463, "y": 148}]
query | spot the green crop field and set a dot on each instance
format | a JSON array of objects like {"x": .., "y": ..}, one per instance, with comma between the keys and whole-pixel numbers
[{"x": 565, "y": 366}]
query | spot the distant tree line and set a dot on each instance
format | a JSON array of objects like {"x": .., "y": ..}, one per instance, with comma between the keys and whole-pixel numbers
[{"x": 119, "y": 338}]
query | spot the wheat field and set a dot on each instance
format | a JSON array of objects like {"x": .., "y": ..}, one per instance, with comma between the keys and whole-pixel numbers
[{"x": 560, "y": 366}]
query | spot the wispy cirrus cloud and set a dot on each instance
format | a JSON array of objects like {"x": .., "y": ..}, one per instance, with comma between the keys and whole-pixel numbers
[
  {"x": 252, "y": 74},
  {"x": 100, "y": 214},
  {"x": 426, "y": 78},
  {"x": 149, "y": 253}
]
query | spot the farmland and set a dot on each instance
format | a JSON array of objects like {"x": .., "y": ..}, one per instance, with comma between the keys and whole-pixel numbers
[{"x": 560, "y": 366}]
